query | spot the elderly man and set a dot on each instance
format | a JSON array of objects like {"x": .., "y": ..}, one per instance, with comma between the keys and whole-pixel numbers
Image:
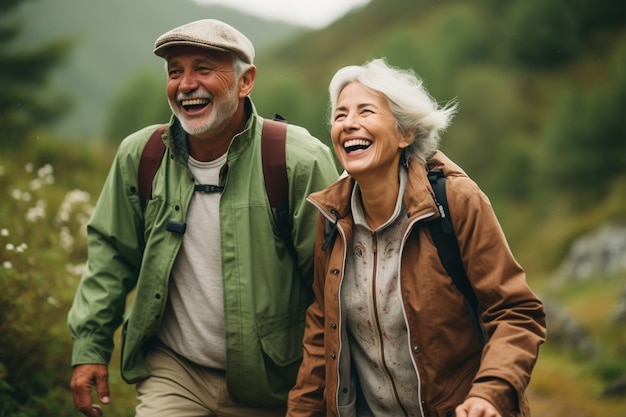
[{"x": 217, "y": 316}]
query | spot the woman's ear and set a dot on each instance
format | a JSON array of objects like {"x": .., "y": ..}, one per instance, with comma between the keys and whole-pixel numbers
[{"x": 407, "y": 139}]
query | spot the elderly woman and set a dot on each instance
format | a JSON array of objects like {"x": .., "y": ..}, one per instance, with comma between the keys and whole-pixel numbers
[{"x": 388, "y": 333}]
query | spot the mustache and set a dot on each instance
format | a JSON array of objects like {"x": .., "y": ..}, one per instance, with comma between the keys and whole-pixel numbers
[{"x": 201, "y": 93}]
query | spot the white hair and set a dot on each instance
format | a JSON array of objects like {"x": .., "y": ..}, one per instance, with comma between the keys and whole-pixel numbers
[{"x": 412, "y": 106}]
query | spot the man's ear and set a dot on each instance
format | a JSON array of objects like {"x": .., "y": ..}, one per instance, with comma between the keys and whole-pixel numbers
[{"x": 246, "y": 82}]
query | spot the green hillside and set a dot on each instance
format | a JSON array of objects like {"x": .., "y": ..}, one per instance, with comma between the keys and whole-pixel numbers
[
  {"x": 113, "y": 43},
  {"x": 532, "y": 127}
]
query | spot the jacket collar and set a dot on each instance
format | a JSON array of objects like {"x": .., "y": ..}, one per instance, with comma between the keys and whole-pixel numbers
[{"x": 418, "y": 196}]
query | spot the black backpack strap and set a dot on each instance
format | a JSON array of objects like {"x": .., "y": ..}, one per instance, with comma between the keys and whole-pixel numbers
[
  {"x": 149, "y": 164},
  {"x": 273, "y": 140},
  {"x": 444, "y": 237}
]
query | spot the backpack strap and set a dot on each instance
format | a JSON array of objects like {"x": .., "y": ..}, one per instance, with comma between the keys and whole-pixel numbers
[
  {"x": 447, "y": 245},
  {"x": 149, "y": 164},
  {"x": 273, "y": 140}
]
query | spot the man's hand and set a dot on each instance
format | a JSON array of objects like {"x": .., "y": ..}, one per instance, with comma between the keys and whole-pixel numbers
[
  {"x": 84, "y": 377},
  {"x": 476, "y": 407}
]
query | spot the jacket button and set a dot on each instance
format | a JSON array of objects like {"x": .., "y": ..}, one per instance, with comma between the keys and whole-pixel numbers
[
  {"x": 335, "y": 271},
  {"x": 333, "y": 356},
  {"x": 157, "y": 296},
  {"x": 449, "y": 414},
  {"x": 417, "y": 349},
  {"x": 333, "y": 326}
]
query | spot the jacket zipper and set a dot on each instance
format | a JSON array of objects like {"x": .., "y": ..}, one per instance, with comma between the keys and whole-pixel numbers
[{"x": 380, "y": 333}]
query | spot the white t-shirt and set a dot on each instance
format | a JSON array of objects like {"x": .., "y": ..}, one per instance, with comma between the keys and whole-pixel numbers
[{"x": 193, "y": 323}]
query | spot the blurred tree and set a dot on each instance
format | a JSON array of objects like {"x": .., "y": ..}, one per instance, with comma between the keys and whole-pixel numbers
[
  {"x": 546, "y": 34},
  {"x": 140, "y": 103},
  {"x": 585, "y": 145},
  {"x": 23, "y": 76},
  {"x": 543, "y": 34}
]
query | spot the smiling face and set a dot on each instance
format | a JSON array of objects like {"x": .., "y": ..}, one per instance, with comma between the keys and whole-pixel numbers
[
  {"x": 365, "y": 135},
  {"x": 202, "y": 90}
]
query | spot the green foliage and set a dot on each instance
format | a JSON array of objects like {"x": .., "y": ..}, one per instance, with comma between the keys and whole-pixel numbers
[
  {"x": 43, "y": 240},
  {"x": 142, "y": 102},
  {"x": 588, "y": 138},
  {"x": 23, "y": 76},
  {"x": 545, "y": 34},
  {"x": 542, "y": 33},
  {"x": 35, "y": 287}
]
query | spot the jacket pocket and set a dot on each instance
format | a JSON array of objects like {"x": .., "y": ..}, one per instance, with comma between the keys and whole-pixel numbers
[{"x": 282, "y": 354}]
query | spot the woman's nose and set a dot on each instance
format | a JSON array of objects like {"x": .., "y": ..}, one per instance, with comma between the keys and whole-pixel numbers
[{"x": 351, "y": 121}]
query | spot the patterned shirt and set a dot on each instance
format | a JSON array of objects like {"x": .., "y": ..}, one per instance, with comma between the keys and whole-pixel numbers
[{"x": 377, "y": 328}]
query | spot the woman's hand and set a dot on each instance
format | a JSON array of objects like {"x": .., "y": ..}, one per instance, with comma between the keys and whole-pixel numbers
[{"x": 476, "y": 407}]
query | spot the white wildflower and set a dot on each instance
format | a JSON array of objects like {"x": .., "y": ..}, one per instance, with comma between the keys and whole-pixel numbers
[
  {"x": 35, "y": 213},
  {"x": 75, "y": 199},
  {"x": 66, "y": 239},
  {"x": 53, "y": 301},
  {"x": 10, "y": 246},
  {"x": 16, "y": 194},
  {"x": 45, "y": 171},
  {"x": 7, "y": 265},
  {"x": 75, "y": 269},
  {"x": 35, "y": 184},
  {"x": 4, "y": 232},
  {"x": 29, "y": 167}
]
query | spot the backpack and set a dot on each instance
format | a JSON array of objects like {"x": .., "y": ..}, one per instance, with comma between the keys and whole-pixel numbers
[
  {"x": 447, "y": 245},
  {"x": 273, "y": 139}
]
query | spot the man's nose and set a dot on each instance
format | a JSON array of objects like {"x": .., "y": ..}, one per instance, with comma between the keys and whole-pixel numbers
[{"x": 188, "y": 82}]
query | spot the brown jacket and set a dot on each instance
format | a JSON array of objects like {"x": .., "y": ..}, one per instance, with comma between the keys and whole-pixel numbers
[{"x": 448, "y": 355}]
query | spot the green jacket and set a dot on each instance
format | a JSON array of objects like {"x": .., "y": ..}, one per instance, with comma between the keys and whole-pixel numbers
[{"x": 265, "y": 293}]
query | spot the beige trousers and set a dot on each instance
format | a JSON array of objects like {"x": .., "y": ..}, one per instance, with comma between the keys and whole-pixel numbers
[{"x": 181, "y": 388}]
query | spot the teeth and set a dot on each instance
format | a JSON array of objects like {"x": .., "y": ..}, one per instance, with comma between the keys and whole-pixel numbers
[
  {"x": 194, "y": 102},
  {"x": 356, "y": 142}
]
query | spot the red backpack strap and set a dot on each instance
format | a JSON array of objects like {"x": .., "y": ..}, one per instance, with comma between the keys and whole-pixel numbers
[
  {"x": 149, "y": 164},
  {"x": 274, "y": 167},
  {"x": 273, "y": 140}
]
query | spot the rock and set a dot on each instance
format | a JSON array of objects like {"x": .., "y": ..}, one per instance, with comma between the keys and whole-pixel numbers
[
  {"x": 564, "y": 331},
  {"x": 600, "y": 252}
]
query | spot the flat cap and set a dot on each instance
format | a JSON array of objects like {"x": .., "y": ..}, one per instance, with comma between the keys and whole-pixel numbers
[{"x": 207, "y": 33}]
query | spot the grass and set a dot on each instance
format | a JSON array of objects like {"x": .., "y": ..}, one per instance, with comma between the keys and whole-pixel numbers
[{"x": 568, "y": 384}]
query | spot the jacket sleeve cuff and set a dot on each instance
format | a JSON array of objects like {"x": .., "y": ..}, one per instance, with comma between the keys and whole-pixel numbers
[
  {"x": 499, "y": 393},
  {"x": 88, "y": 351}
]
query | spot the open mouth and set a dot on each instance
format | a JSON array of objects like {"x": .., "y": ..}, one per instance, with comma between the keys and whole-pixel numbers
[
  {"x": 194, "y": 104},
  {"x": 356, "y": 145}
]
